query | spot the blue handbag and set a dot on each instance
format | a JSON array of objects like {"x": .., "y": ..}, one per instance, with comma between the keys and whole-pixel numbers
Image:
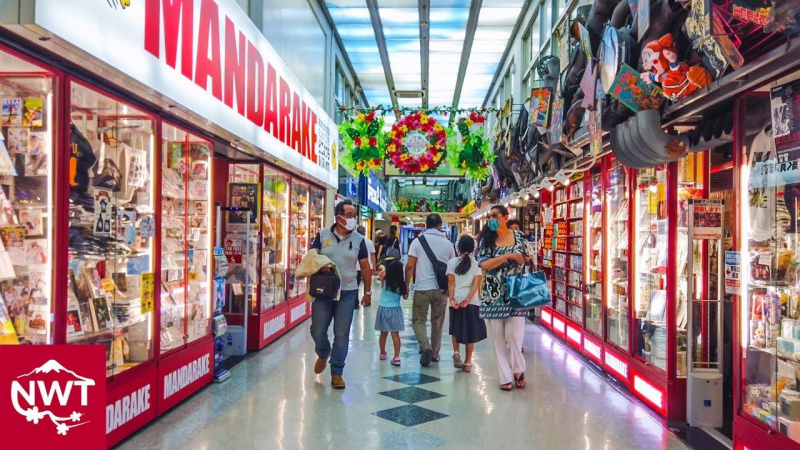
[{"x": 528, "y": 291}]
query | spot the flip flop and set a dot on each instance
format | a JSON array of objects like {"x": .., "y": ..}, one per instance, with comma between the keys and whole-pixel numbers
[
  {"x": 505, "y": 387},
  {"x": 467, "y": 367},
  {"x": 382, "y": 356},
  {"x": 396, "y": 362},
  {"x": 457, "y": 361},
  {"x": 520, "y": 382}
]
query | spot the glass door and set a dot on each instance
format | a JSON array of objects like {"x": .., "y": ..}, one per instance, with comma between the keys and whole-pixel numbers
[
  {"x": 275, "y": 237},
  {"x": 111, "y": 279},
  {"x": 594, "y": 264},
  {"x": 617, "y": 259},
  {"x": 243, "y": 191},
  {"x": 299, "y": 241}
]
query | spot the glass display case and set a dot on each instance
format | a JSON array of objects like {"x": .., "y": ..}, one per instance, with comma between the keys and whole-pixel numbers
[
  {"x": 316, "y": 212},
  {"x": 770, "y": 302},
  {"x": 617, "y": 260},
  {"x": 299, "y": 236},
  {"x": 594, "y": 257},
  {"x": 242, "y": 191},
  {"x": 26, "y": 226},
  {"x": 567, "y": 247},
  {"x": 274, "y": 236},
  {"x": 111, "y": 280},
  {"x": 185, "y": 237}
]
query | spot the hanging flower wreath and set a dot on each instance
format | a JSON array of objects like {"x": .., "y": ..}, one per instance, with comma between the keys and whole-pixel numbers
[
  {"x": 472, "y": 156},
  {"x": 417, "y": 144},
  {"x": 363, "y": 142}
]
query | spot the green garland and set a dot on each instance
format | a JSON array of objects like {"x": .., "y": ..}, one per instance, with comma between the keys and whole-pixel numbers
[
  {"x": 403, "y": 111},
  {"x": 364, "y": 143},
  {"x": 472, "y": 156}
]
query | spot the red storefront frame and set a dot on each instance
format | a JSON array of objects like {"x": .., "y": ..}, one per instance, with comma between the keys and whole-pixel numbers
[{"x": 141, "y": 381}]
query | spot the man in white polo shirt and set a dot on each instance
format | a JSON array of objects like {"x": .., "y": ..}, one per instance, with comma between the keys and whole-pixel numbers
[{"x": 427, "y": 293}]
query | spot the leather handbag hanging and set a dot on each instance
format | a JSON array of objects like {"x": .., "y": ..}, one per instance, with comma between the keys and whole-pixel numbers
[{"x": 529, "y": 290}]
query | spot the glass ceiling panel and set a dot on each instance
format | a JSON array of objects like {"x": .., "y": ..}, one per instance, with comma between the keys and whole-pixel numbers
[
  {"x": 448, "y": 23},
  {"x": 401, "y": 30}
]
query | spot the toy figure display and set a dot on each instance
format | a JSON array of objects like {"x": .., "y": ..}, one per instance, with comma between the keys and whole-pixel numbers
[{"x": 678, "y": 79}]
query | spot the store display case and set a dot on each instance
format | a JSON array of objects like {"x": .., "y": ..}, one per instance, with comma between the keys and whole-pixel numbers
[
  {"x": 769, "y": 307},
  {"x": 185, "y": 238},
  {"x": 593, "y": 270},
  {"x": 111, "y": 279},
  {"x": 274, "y": 237},
  {"x": 617, "y": 266},
  {"x": 299, "y": 242},
  {"x": 26, "y": 197},
  {"x": 568, "y": 248}
]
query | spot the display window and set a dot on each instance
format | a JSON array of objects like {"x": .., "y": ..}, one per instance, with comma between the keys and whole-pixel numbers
[
  {"x": 316, "y": 212},
  {"x": 769, "y": 311},
  {"x": 594, "y": 265},
  {"x": 568, "y": 250},
  {"x": 275, "y": 237},
  {"x": 616, "y": 232},
  {"x": 242, "y": 192},
  {"x": 26, "y": 197},
  {"x": 111, "y": 279},
  {"x": 185, "y": 237},
  {"x": 299, "y": 242}
]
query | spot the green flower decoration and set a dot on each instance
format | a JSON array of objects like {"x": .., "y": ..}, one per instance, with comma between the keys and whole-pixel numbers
[{"x": 364, "y": 142}]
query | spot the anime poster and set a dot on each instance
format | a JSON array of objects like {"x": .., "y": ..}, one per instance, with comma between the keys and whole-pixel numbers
[
  {"x": 12, "y": 112},
  {"x": 540, "y": 107},
  {"x": 785, "y": 107},
  {"x": 18, "y": 138},
  {"x": 629, "y": 88},
  {"x": 245, "y": 196},
  {"x": 33, "y": 112}
]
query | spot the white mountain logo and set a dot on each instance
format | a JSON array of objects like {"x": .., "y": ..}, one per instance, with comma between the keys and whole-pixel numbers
[{"x": 47, "y": 394}]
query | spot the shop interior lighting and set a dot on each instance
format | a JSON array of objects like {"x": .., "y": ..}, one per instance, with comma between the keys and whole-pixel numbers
[
  {"x": 547, "y": 185},
  {"x": 436, "y": 192}
]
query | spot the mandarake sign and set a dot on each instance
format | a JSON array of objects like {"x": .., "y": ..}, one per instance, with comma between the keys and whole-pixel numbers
[{"x": 207, "y": 56}]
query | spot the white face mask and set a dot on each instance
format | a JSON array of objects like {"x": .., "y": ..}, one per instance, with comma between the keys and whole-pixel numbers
[{"x": 350, "y": 223}]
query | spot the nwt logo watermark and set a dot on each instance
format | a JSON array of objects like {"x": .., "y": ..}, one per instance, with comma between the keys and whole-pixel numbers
[{"x": 55, "y": 392}]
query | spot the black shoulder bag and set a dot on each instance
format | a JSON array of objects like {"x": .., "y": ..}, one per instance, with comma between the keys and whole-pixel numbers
[{"x": 439, "y": 268}]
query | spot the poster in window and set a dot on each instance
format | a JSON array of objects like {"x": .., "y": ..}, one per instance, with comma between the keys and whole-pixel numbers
[
  {"x": 785, "y": 108},
  {"x": 12, "y": 112},
  {"x": 540, "y": 106},
  {"x": 245, "y": 196}
]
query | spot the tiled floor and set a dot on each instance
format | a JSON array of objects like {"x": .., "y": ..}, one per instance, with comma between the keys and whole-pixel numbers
[{"x": 274, "y": 400}]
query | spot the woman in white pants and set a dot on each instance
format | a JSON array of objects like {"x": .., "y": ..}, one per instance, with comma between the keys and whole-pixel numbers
[{"x": 502, "y": 252}]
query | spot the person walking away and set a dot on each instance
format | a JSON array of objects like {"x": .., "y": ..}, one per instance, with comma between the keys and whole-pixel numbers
[
  {"x": 431, "y": 247},
  {"x": 391, "y": 245},
  {"x": 371, "y": 251},
  {"x": 380, "y": 241},
  {"x": 502, "y": 253},
  {"x": 464, "y": 280},
  {"x": 514, "y": 225},
  {"x": 389, "y": 318},
  {"x": 346, "y": 248}
]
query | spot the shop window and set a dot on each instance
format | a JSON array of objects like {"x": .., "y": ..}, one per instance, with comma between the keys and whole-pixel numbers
[
  {"x": 617, "y": 315},
  {"x": 111, "y": 279},
  {"x": 594, "y": 265},
  {"x": 26, "y": 182},
  {"x": 275, "y": 232},
  {"x": 298, "y": 230},
  {"x": 185, "y": 237},
  {"x": 242, "y": 192}
]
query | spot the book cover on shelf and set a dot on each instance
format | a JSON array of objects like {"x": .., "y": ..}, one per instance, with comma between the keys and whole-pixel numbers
[
  {"x": 37, "y": 318},
  {"x": 101, "y": 313},
  {"x": 13, "y": 239},
  {"x": 18, "y": 138},
  {"x": 8, "y": 335},
  {"x": 37, "y": 143},
  {"x": 31, "y": 220},
  {"x": 12, "y": 112},
  {"x": 33, "y": 112},
  {"x": 35, "y": 251},
  {"x": 74, "y": 319}
]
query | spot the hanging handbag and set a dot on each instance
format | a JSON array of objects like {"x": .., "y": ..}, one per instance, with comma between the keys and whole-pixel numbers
[{"x": 528, "y": 291}]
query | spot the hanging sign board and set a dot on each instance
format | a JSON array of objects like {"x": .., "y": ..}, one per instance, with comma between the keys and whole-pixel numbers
[
  {"x": 733, "y": 273},
  {"x": 785, "y": 106},
  {"x": 707, "y": 218}
]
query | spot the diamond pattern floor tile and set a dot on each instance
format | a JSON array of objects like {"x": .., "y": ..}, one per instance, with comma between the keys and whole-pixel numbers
[
  {"x": 413, "y": 378},
  {"x": 409, "y": 415},
  {"x": 411, "y": 394}
]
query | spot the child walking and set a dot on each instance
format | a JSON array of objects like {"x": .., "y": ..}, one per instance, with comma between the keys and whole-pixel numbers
[
  {"x": 464, "y": 281},
  {"x": 390, "y": 316}
]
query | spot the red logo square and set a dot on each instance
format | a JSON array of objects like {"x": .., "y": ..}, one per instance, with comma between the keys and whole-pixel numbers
[{"x": 56, "y": 393}]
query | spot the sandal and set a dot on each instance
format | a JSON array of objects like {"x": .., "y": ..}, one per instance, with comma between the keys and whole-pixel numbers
[
  {"x": 457, "y": 361},
  {"x": 383, "y": 356},
  {"x": 505, "y": 387},
  {"x": 396, "y": 362},
  {"x": 519, "y": 382},
  {"x": 467, "y": 367}
]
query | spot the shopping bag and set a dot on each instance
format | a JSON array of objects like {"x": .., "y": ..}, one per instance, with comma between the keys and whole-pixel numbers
[{"x": 528, "y": 291}]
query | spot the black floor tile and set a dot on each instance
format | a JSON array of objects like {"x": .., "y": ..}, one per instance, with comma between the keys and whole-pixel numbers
[
  {"x": 409, "y": 415},
  {"x": 411, "y": 394},
  {"x": 413, "y": 378}
]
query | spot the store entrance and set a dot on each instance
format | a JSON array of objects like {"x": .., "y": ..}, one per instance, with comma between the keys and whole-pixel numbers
[{"x": 721, "y": 187}]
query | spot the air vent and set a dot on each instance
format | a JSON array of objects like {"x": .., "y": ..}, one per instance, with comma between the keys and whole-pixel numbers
[{"x": 409, "y": 94}]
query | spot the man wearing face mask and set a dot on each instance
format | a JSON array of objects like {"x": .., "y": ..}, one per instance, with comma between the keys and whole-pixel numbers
[
  {"x": 427, "y": 291},
  {"x": 346, "y": 248}
]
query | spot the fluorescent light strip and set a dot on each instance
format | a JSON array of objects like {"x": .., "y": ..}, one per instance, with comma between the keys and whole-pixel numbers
[
  {"x": 617, "y": 365},
  {"x": 574, "y": 335},
  {"x": 653, "y": 394},
  {"x": 592, "y": 348}
]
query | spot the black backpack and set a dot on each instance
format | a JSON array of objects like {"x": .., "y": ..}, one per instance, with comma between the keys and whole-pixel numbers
[{"x": 439, "y": 268}]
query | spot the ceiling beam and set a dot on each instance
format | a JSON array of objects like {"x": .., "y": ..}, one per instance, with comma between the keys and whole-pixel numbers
[
  {"x": 472, "y": 25},
  {"x": 424, "y": 45},
  {"x": 356, "y": 82},
  {"x": 514, "y": 32},
  {"x": 377, "y": 27}
]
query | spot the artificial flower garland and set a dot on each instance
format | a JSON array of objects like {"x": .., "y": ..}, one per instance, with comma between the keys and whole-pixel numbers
[
  {"x": 364, "y": 143},
  {"x": 472, "y": 156},
  {"x": 417, "y": 144}
]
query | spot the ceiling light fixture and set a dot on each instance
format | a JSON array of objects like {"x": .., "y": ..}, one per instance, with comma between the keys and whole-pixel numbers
[{"x": 436, "y": 192}]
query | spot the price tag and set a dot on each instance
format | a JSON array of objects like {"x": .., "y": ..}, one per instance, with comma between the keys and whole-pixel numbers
[
  {"x": 147, "y": 289},
  {"x": 108, "y": 285}
]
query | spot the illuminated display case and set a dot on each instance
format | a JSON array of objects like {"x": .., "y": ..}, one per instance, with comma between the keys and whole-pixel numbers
[
  {"x": 274, "y": 237},
  {"x": 112, "y": 229},
  {"x": 299, "y": 241},
  {"x": 593, "y": 270},
  {"x": 617, "y": 266},
  {"x": 568, "y": 246}
]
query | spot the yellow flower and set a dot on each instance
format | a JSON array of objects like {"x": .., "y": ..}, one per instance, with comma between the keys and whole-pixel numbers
[
  {"x": 464, "y": 164},
  {"x": 437, "y": 127},
  {"x": 423, "y": 168},
  {"x": 360, "y": 164},
  {"x": 364, "y": 143},
  {"x": 360, "y": 117},
  {"x": 469, "y": 122},
  {"x": 404, "y": 129},
  {"x": 391, "y": 134},
  {"x": 423, "y": 120},
  {"x": 391, "y": 148},
  {"x": 436, "y": 146}
]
